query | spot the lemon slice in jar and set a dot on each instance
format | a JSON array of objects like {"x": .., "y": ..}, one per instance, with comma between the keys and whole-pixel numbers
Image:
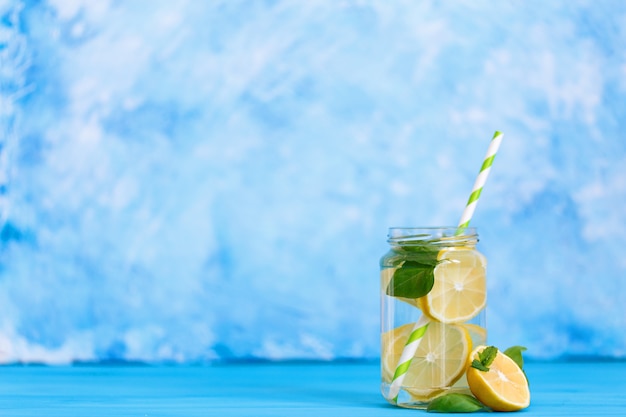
[
  {"x": 439, "y": 361},
  {"x": 460, "y": 289}
]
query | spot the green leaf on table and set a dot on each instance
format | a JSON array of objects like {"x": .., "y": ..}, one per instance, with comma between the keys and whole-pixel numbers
[
  {"x": 515, "y": 353},
  {"x": 485, "y": 358},
  {"x": 413, "y": 279},
  {"x": 455, "y": 403}
]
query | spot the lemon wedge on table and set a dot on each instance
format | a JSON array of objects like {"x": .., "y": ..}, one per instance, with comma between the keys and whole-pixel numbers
[
  {"x": 503, "y": 387},
  {"x": 439, "y": 361},
  {"x": 460, "y": 289}
]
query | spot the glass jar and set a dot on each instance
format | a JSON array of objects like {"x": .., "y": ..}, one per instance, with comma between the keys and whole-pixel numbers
[{"x": 433, "y": 298}]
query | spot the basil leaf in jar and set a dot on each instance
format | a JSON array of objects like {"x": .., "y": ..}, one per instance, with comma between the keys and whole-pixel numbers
[
  {"x": 416, "y": 276},
  {"x": 412, "y": 280}
]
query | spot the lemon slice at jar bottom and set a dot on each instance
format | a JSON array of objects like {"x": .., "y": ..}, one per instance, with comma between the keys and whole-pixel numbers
[
  {"x": 439, "y": 361},
  {"x": 503, "y": 388},
  {"x": 460, "y": 289},
  {"x": 393, "y": 343}
]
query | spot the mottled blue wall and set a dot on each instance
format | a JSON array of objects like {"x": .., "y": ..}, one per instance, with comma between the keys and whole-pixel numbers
[{"x": 194, "y": 180}]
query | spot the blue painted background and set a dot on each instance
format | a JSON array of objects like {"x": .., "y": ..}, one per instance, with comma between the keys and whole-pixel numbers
[{"x": 188, "y": 181}]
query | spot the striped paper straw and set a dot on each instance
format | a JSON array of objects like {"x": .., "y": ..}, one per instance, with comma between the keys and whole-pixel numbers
[
  {"x": 480, "y": 182},
  {"x": 420, "y": 327}
]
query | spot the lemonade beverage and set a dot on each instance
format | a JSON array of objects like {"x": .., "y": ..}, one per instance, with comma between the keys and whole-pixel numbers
[{"x": 437, "y": 277}]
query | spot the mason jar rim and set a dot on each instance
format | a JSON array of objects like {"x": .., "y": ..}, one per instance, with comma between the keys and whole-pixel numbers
[
  {"x": 449, "y": 234},
  {"x": 471, "y": 229}
]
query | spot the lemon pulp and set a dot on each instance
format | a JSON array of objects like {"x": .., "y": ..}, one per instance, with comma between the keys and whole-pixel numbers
[
  {"x": 439, "y": 361},
  {"x": 460, "y": 289},
  {"x": 503, "y": 388}
]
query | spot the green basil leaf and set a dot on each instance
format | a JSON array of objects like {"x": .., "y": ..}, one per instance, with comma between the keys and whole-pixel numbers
[
  {"x": 515, "y": 353},
  {"x": 413, "y": 279},
  {"x": 455, "y": 403},
  {"x": 425, "y": 253}
]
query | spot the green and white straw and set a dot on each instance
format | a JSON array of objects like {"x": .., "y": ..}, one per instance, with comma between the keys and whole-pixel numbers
[
  {"x": 480, "y": 181},
  {"x": 420, "y": 327},
  {"x": 412, "y": 343}
]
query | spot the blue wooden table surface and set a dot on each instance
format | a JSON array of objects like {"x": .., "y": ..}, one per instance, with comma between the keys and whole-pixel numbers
[{"x": 275, "y": 389}]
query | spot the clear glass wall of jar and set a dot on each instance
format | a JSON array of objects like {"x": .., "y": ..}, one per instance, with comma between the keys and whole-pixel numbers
[{"x": 433, "y": 298}]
